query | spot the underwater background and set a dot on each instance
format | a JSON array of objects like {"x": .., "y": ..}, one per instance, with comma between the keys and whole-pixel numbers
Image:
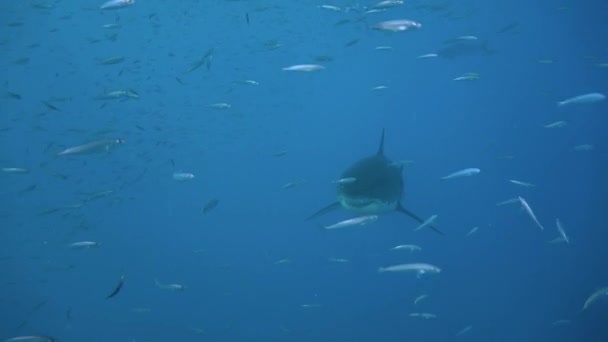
[{"x": 197, "y": 87}]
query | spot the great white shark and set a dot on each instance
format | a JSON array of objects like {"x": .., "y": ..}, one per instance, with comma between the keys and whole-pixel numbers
[{"x": 377, "y": 188}]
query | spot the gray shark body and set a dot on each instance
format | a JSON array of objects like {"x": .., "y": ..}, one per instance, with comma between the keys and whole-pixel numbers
[{"x": 378, "y": 188}]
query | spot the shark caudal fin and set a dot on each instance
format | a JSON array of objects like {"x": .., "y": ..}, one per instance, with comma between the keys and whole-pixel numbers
[
  {"x": 401, "y": 209},
  {"x": 381, "y": 147},
  {"x": 333, "y": 206}
]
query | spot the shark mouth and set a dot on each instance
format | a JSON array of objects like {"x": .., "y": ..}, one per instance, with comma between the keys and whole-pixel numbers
[{"x": 366, "y": 205}]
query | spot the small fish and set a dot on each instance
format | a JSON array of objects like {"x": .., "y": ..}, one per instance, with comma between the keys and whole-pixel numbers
[
  {"x": 183, "y": 176},
  {"x": 118, "y": 287},
  {"x": 357, "y": 221},
  {"x": 84, "y": 244},
  {"x": 410, "y": 248},
  {"x": 347, "y": 180},
  {"x": 13, "y": 96},
  {"x": 22, "y": 61},
  {"x": 251, "y": 82},
  {"x": 387, "y": 4},
  {"x": 103, "y": 145},
  {"x": 603, "y": 292},
  {"x": 466, "y": 38},
  {"x": 420, "y": 298},
  {"x": 17, "y": 170},
  {"x": 463, "y": 173},
  {"x": 556, "y": 124},
  {"x": 330, "y": 8},
  {"x": 111, "y": 60},
  {"x": 509, "y": 201},
  {"x": 51, "y": 106},
  {"x": 419, "y": 268},
  {"x": 428, "y": 222},
  {"x": 424, "y": 315},
  {"x": 375, "y": 10},
  {"x": 352, "y": 42},
  {"x": 170, "y": 287},
  {"x": 309, "y": 306},
  {"x": 338, "y": 260},
  {"x": 396, "y": 25},
  {"x": 29, "y": 189},
  {"x": 528, "y": 210},
  {"x": 583, "y": 147},
  {"x": 467, "y": 77},
  {"x": 221, "y": 105},
  {"x": 304, "y": 67},
  {"x": 116, "y": 4},
  {"x": 460, "y": 39},
  {"x": 97, "y": 195},
  {"x": 283, "y": 261},
  {"x": 205, "y": 60},
  {"x": 558, "y": 239},
  {"x": 118, "y": 94},
  {"x": 528, "y": 185},
  {"x": 111, "y": 26},
  {"x": 561, "y": 230},
  {"x": 428, "y": 55},
  {"x": 472, "y": 231},
  {"x": 37, "y": 338},
  {"x": 210, "y": 206},
  {"x": 464, "y": 330},
  {"x": 289, "y": 185},
  {"x": 381, "y": 87},
  {"x": 383, "y": 48},
  {"x": 583, "y": 99}
]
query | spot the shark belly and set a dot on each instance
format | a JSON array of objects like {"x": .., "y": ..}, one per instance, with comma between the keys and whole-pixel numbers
[{"x": 367, "y": 205}]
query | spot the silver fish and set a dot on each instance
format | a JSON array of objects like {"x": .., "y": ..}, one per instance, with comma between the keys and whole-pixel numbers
[
  {"x": 37, "y": 338},
  {"x": 427, "y": 222},
  {"x": 97, "y": 146},
  {"x": 419, "y": 268},
  {"x": 115, "y": 4},
  {"x": 170, "y": 287},
  {"x": 357, "y": 221},
  {"x": 463, "y": 173},
  {"x": 581, "y": 99},
  {"x": 85, "y": 244},
  {"x": 528, "y": 210}
]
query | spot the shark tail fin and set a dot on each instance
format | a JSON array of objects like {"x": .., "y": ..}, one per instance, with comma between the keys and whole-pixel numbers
[
  {"x": 381, "y": 147},
  {"x": 401, "y": 209},
  {"x": 333, "y": 206}
]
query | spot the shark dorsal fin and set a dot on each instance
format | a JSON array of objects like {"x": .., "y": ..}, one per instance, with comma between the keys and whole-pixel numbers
[{"x": 381, "y": 148}]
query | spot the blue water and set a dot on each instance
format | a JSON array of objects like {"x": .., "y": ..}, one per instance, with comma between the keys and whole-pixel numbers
[{"x": 505, "y": 280}]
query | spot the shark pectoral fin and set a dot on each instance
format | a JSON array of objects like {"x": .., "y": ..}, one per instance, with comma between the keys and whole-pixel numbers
[
  {"x": 325, "y": 210},
  {"x": 401, "y": 209}
]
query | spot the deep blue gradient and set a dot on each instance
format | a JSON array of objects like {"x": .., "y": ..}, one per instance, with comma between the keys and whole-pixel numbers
[{"x": 253, "y": 269}]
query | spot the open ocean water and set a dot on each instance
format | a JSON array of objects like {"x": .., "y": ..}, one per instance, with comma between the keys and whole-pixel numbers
[{"x": 159, "y": 161}]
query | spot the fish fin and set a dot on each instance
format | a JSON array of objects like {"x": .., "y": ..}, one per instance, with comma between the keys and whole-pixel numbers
[
  {"x": 333, "y": 206},
  {"x": 401, "y": 209},
  {"x": 381, "y": 147}
]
